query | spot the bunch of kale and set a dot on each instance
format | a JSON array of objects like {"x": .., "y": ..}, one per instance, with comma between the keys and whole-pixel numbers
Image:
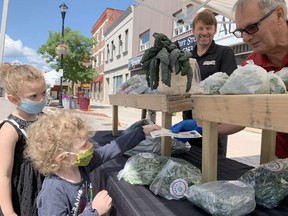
[{"x": 170, "y": 56}]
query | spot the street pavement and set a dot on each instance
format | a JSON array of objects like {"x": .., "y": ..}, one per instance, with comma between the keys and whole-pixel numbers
[{"x": 243, "y": 146}]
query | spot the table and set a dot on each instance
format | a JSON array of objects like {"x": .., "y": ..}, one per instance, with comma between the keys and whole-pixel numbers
[
  {"x": 135, "y": 200},
  {"x": 166, "y": 104},
  {"x": 266, "y": 111}
]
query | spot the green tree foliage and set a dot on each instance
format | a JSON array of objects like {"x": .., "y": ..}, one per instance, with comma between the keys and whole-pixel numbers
[{"x": 77, "y": 67}]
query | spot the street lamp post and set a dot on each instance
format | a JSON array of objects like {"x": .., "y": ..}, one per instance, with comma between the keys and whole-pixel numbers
[{"x": 63, "y": 7}]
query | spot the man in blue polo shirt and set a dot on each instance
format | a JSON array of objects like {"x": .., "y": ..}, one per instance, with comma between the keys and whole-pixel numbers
[{"x": 211, "y": 58}]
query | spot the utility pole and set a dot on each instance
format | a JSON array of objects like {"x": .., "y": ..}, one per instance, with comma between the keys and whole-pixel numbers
[
  {"x": 2, "y": 35},
  {"x": 63, "y": 7},
  {"x": 3, "y": 28}
]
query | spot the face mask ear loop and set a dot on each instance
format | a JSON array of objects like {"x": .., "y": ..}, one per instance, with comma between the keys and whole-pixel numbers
[{"x": 66, "y": 154}]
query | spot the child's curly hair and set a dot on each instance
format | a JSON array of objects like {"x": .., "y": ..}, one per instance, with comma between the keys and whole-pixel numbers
[
  {"x": 14, "y": 75},
  {"x": 51, "y": 135}
]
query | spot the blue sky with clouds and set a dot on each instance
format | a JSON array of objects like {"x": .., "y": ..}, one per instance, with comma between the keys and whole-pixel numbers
[{"x": 29, "y": 22}]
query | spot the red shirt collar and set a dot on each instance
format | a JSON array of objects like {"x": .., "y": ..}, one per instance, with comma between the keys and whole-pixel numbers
[{"x": 263, "y": 61}]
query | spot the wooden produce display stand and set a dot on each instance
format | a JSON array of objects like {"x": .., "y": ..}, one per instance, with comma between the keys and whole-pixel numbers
[
  {"x": 167, "y": 104},
  {"x": 266, "y": 112}
]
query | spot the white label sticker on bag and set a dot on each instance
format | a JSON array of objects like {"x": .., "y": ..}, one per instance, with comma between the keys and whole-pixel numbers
[{"x": 178, "y": 187}]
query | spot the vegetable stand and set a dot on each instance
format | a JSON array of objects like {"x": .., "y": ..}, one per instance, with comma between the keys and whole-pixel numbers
[
  {"x": 167, "y": 104},
  {"x": 266, "y": 111}
]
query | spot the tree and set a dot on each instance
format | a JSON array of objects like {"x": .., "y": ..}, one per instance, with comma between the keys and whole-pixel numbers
[{"x": 77, "y": 67}]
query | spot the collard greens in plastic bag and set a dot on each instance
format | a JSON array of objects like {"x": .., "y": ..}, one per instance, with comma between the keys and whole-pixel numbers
[
  {"x": 174, "y": 179},
  {"x": 249, "y": 79},
  {"x": 225, "y": 198},
  {"x": 253, "y": 79},
  {"x": 142, "y": 168},
  {"x": 270, "y": 182},
  {"x": 213, "y": 83}
]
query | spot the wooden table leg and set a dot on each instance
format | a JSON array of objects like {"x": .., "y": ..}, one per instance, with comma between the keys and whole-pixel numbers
[
  {"x": 268, "y": 141},
  {"x": 115, "y": 120},
  {"x": 209, "y": 151},
  {"x": 166, "y": 140},
  {"x": 143, "y": 114}
]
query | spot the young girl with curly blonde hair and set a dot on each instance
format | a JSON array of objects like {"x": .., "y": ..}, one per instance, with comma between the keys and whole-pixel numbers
[
  {"x": 59, "y": 147},
  {"x": 19, "y": 181}
]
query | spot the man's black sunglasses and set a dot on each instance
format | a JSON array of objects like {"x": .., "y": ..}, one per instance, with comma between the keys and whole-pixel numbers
[{"x": 253, "y": 28}]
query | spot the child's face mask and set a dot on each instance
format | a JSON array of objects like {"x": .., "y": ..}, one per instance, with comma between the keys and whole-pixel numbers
[
  {"x": 83, "y": 158},
  {"x": 32, "y": 107}
]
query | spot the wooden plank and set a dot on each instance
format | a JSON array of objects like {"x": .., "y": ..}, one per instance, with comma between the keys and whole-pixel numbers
[
  {"x": 268, "y": 141},
  {"x": 115, "y": 120},
  {"x": 180, "y": 105},
  {"x": 144, "y": 101},
  {"x": 209, "y": 151},
  {"x": 156, "y": 102},
  {"x": 258, "y": 111}
]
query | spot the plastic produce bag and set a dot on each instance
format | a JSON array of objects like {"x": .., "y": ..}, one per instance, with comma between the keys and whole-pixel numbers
[
  {"x": 225, "y": 198},
  {"x": 140, "y": 89},
  {"x": 142, "y": 168},
  {"x": 249, "y": 79},
  {"x": 151, "y": 145},
  {"x": 277, "y": 86},
  {"x": 174, "y": 179},
  {"x": 270, "y": 182},
  {"x": 283, "y": 74},
  {"x": 213, "y": 83}
]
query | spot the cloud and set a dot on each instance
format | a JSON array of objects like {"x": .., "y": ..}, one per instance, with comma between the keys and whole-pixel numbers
[{"x": 17, "y": 52}]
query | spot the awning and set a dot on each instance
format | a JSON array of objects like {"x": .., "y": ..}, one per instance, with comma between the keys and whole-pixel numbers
[
  {"x": 98, "y": 78},
  {"x": 222, "y": 7}
]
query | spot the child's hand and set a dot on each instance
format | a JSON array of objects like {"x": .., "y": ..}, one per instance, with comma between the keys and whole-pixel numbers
[
  {"x": 150, "y": 127},
  {"x": 102, "y": 202}
]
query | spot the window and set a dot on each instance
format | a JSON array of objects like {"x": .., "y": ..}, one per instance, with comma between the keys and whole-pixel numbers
[
  {"x": 108, "y": 52},
  {"x": 126, "y": 40},
  {"x": 145, "y": 40},
  {"x": 98, "y": 59},
  {"x": 184, "y": 21},
  {"x": 97, "y": 36},
  {"x": 102, "y": 57},
  {"x": 112, "y": 49},
  {"x": 101, "y": 34},
  {"x": 117, "y": 81},
  {"x": 120, "y": 45},
  {"x": 95, "y": 61}
]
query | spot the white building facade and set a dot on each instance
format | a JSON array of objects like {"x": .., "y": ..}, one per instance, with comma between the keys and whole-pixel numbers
[{"x": 118, "y": 50}]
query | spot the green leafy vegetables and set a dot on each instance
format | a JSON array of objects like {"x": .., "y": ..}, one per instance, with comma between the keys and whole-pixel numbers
[
  {"x": 270, "y": 182},
  {"x": 174, "y": 179},
  {"x": 225, "y": 198}
]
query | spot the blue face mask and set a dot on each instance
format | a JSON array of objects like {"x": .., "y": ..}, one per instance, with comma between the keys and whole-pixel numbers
[{"x": 32, "y": 107}]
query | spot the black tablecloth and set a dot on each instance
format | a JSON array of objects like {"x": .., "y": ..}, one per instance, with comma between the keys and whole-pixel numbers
[{"x": 132, "y": 200}]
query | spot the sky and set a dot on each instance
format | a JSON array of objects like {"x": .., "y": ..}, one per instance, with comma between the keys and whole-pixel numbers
[{"x": 29, "y": 22}]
